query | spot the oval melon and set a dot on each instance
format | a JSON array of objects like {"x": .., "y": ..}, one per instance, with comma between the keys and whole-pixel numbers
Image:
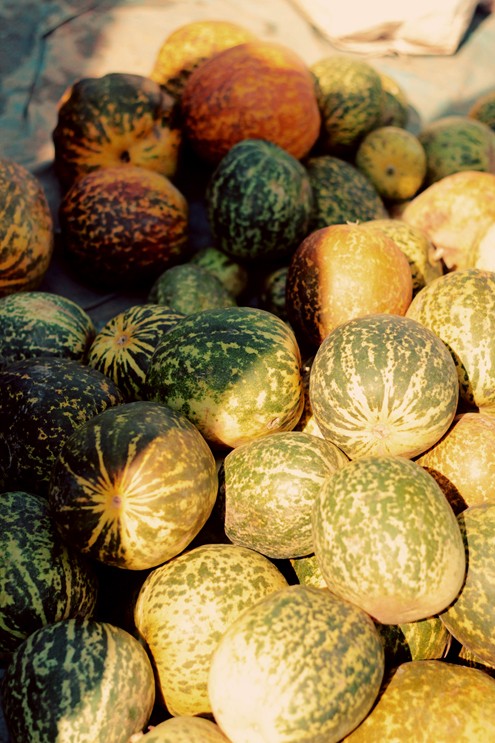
[
  {"x": 259, "y": 200},
  {"x": 432, "y": 700},
  {"x": 342, "y": 272},
  {"x": 269, "y": 489},
  {"x": 189, "y": 288},
  {"x": 470, "y": 618},
  {"x": 394, "y": 160},
  {"x": 39, "y": 323},
  {"x": 184, "y": 607},
  {"x": 341, "y": 193},
  {"x": 78, "y": 680},
  {"x": 457, "y": 143},
  {"x": 121, "y": 227},
  {"x": 386, "y": 538},
  {"x": 235, "y": 372},
  {"x": 256, "y": 90},
  {"x": 459, "y": 307},
  {"x": 27, "y": 233},
  {"x": 383, "y": 384},
  {"x": 44, "y": 580},
  {"x": 300, "y": 666},
  {"x": 133, "y": 486},
  {"x": 115, "y": 120},
  {"x": 350, "y": 97},
  {"x": 463, "y": 460}
]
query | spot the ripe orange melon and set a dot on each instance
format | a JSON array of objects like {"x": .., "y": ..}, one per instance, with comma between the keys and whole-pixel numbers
[
  {"x": 123, "y": 226},
  {"x": 258, "y": 90},
  {"x": 345, "y": 271},
  {"x": 463, "y": 460}
]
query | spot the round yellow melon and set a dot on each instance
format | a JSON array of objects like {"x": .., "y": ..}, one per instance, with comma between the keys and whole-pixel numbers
[
  {"x": 432, "y": 700},
  {"x": 299, "y": 666},
  {"x": 188, "y": 46},
  {"x": 184, "y": 607}
]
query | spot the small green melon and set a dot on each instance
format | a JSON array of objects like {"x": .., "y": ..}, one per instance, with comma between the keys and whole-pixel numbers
[
  {"x": 235, "y": 372},
  {"x": 270, "y": 485},
  {"x": 259, "y": 201},
  {"x": 456, "y": 143},
  {"x": 189, "y": 288},
  {"x": 341, "y": 193}
]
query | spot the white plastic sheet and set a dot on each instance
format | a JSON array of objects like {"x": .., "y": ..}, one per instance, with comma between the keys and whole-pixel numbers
[{"x": 392, "y": 26}]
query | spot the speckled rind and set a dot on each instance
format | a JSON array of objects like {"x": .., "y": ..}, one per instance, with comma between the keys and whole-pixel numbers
[
  {"x": 445, "y": 701},
  {"x": 417, "y": 248},
  {"x": 394, "y": 160},
  {"x": 349, "y": 93},
  {"x": 185, "y": 606},
  {"x": 42, "y": 401},
  {"x": 421, "y": 640},
  {"x": 78, "y": 680},
  {"x": 26, "y": 230},
  {"x": 383, "y": 384},
  {"x": 235, "y": 372},
  {"x": 386, "y": 538},
  {"x": 471, "y": 616},
  {"x": 260, "y": 89},
  {"x": 299, "y": 666},
  {"x": 123, "y": 347},
  {"x": 41, "y": 580},
  {"x": 117, "y": 119},
  {"x": 459, "y": 307},
  {"x": 121, "y": 227},
  {"x": 233, "y": 275},
  {"x": 133, "y": 486},
  {"x": 259, "y": 200},
  {"x": 456, "y": 143},
  {"x": 38, "y": 323},
  {"x": 270, "y": 487},
  {"x": 189, "y": 288},
  {"x": 341, "y": 193},
  {"x": 185, "y": 729}
]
